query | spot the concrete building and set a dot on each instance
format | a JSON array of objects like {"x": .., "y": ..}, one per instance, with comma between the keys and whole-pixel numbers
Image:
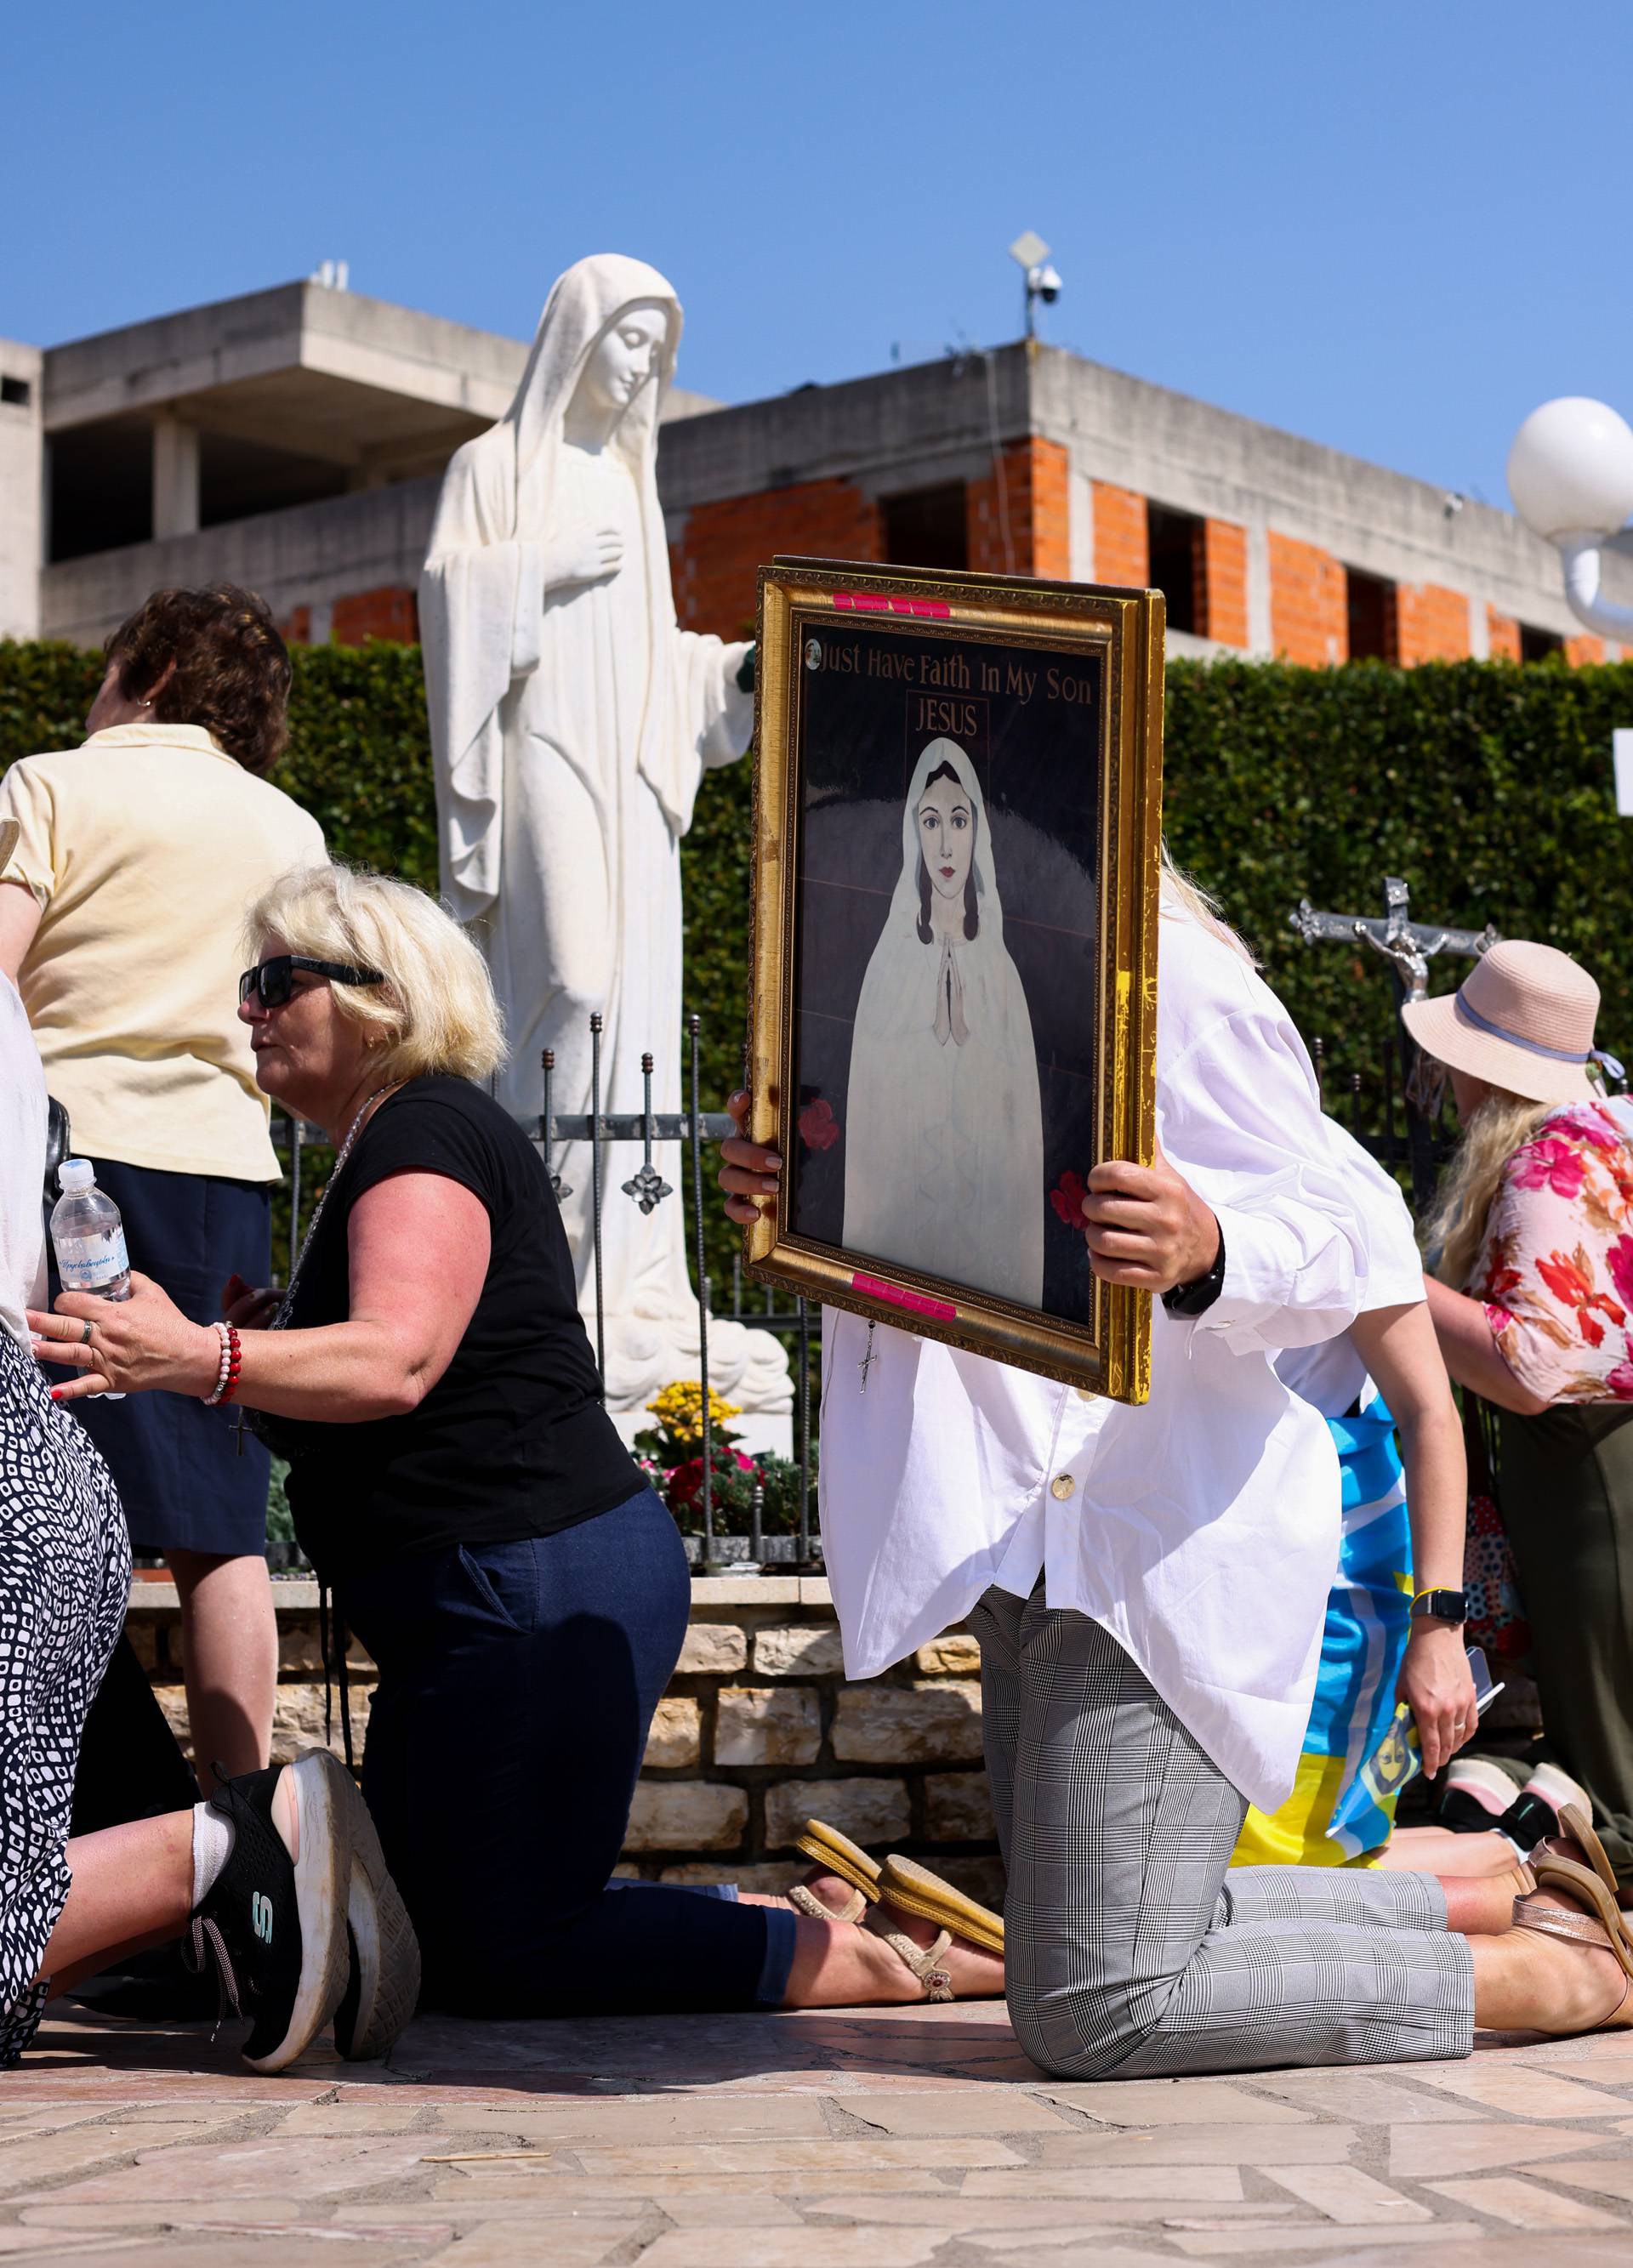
[{"x": 293, "y": 441}]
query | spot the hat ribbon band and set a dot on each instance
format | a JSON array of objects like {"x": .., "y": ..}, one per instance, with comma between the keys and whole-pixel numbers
[{"x": 1467, "y": 1015}]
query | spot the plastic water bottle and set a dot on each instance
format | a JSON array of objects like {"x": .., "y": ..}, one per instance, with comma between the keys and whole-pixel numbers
[{"x": 88, "y": 1234}]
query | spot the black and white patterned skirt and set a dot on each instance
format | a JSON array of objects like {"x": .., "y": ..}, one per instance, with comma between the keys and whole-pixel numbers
[{"x": 64, "y": 1587}]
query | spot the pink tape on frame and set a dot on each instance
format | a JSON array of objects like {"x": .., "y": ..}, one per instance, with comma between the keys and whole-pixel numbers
[
  {"x": 870, "y": 602},
  {"x": 919, "y": 1302}
]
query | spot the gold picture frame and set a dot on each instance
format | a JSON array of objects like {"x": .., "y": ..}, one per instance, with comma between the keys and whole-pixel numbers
[{"x": 1043, "y": 707}]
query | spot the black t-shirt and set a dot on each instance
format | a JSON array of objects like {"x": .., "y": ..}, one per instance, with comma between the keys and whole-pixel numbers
[{"x": 512, "y": 1441}]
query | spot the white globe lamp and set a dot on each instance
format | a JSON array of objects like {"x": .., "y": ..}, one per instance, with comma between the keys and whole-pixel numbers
[
  {"x": 1570, "y": 475},
  {"x": 1570, "y": 468}
]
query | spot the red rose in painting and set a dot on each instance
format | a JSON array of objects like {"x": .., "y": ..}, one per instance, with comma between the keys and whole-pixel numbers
[
  {"x": 819, "y": 1129},
  {"x": 1067, "y": 1197}
]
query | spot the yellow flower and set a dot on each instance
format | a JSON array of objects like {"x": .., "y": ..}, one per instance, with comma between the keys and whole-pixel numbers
[{"x": 680, "y": 1408}]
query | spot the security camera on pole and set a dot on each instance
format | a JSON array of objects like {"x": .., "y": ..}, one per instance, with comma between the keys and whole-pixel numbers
[{"x": 1042, "y": 280}]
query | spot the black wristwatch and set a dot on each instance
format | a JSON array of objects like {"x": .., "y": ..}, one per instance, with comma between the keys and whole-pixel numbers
[
  {"x": 1195, "y": 1298},
  {"x": 1440, "y": 1607}
]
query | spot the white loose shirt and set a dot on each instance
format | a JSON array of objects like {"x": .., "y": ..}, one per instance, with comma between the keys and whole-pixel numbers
[
  {"x": 1200, "y": 1528},
  {"x": 1332, "y": 1376}
]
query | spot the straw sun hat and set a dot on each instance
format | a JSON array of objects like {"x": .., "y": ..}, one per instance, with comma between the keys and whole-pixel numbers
[{"x": 1521, "y": 1020}]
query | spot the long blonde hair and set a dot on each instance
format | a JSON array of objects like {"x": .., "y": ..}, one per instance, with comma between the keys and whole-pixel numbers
[
  {"x": 1179, "y": 890},
  {"x": 1454, "y": 1231}
]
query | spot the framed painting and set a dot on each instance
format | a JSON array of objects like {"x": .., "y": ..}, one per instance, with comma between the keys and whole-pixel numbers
[{"x": 957, "y": 836}]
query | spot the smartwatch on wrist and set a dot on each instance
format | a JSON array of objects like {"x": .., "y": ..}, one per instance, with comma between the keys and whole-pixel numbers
[
  {"x": 1440, "y": 1607},
  {"x": 1195, "y": 1298}
]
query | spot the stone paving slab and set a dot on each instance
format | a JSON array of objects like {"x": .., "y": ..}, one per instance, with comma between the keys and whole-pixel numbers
[{"x": 824, "y": 2139}]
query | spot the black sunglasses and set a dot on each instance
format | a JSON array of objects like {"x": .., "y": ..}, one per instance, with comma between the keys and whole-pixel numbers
[{"x": 272, "y": 981}]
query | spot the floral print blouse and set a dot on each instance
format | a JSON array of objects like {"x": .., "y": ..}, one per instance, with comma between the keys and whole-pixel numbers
[{"x": 1555, "y": 1268}]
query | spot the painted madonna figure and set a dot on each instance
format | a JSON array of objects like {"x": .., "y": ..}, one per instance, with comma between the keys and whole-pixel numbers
[
  {"x": 944, "y": 1125},
  {"x": 571, "y": 723}
]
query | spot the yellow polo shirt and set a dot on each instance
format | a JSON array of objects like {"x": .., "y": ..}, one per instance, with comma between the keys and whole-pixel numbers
[{"x": 144, "y": 848}]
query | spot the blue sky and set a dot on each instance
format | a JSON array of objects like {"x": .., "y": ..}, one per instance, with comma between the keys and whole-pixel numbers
[{"x": 1393, "y": 228}]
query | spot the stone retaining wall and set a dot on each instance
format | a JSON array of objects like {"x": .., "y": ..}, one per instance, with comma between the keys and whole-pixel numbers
[{"x": 758, "y": 1730}]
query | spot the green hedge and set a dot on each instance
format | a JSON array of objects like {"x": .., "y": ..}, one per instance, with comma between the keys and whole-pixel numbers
[{"x": 1487, "y": 786}]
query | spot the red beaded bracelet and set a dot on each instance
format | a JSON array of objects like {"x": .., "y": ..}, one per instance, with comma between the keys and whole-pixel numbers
[{"x": 232, "y": 1365}]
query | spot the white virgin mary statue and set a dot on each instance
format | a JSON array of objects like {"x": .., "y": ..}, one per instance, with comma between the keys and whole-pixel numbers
[
  {"x": 571, "y": 723},
  {"x": 943, "y": 1127}
]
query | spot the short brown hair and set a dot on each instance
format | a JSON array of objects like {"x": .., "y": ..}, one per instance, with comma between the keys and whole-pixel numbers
[{"x": 230, "y": 669}]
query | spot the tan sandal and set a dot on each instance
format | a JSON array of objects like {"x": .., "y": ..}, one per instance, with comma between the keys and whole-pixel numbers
[
  {"x": 904, "y": 1883},
  {"x": 805, "y": 1901},
  {"x": 836, "y": 1854},
  {"x": 1606, "y": 1933},
  {"x": 1577, "y": 1825},
  {"x": 924, "y": 1960}
]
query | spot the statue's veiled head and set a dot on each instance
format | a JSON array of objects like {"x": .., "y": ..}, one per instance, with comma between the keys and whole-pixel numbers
[
  {"x": 628, "y": 356},
  {"x": 604, "y": 354}
]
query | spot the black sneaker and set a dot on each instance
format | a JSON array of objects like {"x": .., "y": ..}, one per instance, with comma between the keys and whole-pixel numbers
[
  {"x": 383, "y": 1985},
  {"x": 277, "y": 1926}
]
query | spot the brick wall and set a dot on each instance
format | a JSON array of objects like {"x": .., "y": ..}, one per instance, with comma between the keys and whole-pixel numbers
[
  {"x": 391, "y": 612},
  {"x": 719, "y": 547},
  {"x": 1029, "y": 488},
  {"x": 1309, "y": 617},
  {"x": 757, "y": 1732},
  {"x": 1581, "y": 651},
  {"x": 1431, "y": 623},
  {"x": 1221, "y": 598},
  {"x": 1122, "y": 550},
  {"x": 1502, "y": 635}
]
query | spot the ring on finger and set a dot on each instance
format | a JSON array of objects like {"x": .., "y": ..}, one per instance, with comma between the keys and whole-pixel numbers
[{"x": 84, "y": 1336}]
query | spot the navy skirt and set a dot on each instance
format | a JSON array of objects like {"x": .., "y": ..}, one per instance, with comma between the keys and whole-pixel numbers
[{"x": 184, "y": 1485}]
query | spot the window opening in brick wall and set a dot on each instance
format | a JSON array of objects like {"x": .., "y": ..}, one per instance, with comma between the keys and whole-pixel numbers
[
  {"x": 1373, "y": 622},
  {"x": 926, "y": 527},
  {"x": 1536, "y": 646},
  {"x": 1177, "y": 563},
  {"x": 15, "y": 392}
]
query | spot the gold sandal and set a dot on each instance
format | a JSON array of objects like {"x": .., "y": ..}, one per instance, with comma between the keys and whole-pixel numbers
[
  {"x": 904, "y": 1883},
  {"x": 836, "y": 1854},
  {"x": 901, "y": 1882}
]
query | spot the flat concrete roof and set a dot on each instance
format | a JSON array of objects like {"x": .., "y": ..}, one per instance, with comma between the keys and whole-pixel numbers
[{"x": 303, "y": 367}]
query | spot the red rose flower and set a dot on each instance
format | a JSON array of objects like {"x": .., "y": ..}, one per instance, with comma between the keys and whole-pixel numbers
[
  {"x": 819, "y": 1129},
  {"x": 1067, "y": 1197},
  {"x": 686, "y": 1481}
]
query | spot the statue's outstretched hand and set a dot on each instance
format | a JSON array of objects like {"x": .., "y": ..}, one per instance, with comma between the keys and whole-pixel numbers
[
  {"x": 582, "y": 554},
  {"x": 749, "y": 1173}
]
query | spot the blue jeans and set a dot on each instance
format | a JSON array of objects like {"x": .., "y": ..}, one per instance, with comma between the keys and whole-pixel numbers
[{"x": 517, "y": 1683}]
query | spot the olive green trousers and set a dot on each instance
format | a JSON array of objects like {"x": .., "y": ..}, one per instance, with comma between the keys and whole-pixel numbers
[{"x": 1565, "y": 1490}]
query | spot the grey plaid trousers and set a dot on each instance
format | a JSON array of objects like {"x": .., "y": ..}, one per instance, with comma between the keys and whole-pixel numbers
[{"x": 1134, "y": 1948}]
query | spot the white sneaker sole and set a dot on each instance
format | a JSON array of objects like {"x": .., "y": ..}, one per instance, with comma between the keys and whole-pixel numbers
[
  {"x": 385, "y": 1952},
  {"x": 322, "y": 1873}
]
